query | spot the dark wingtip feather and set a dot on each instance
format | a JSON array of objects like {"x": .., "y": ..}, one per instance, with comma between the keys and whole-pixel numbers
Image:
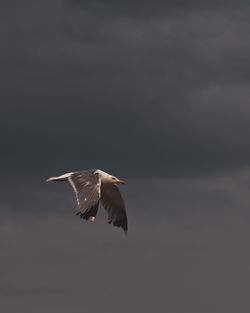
[{"x": 122, "y": 224}]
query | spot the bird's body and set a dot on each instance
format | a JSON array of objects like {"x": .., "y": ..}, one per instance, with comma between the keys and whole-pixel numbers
[{"x": 91, "y": 187}]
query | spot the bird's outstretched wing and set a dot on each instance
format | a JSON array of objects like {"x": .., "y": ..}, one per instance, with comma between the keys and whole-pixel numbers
[
  {"x": 86, "y": 185},
  {"x": 114, "y": 205}
]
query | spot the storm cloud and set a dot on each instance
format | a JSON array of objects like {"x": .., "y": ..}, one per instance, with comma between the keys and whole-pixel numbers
[
  {"x": 154, "y": 94},
  {"x": 187, "y": 249},
  {"x": 158, "y": 95}
]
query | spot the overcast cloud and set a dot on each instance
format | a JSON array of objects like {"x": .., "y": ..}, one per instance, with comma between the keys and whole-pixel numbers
[{"x": 156, "y": 93}]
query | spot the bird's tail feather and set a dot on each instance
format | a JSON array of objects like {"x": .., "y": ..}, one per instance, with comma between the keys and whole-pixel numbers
[
  {"x": 53, "y": 179},
  {"x": 63, "y": 177}
]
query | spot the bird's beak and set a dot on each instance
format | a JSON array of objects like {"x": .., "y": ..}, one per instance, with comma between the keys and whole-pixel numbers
[{"x": 120, "y": 181}]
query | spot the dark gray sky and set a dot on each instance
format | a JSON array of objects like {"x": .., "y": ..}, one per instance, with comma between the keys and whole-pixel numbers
[
  {"x": 149, "y": 90},
  {"x": 156, "y": 93}
]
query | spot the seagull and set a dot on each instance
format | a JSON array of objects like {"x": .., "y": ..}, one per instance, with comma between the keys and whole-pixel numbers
[{"x": 92, "y": 186}]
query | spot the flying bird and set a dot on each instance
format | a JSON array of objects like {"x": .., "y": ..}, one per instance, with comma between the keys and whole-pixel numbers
[{"x": 92, "y": 186}]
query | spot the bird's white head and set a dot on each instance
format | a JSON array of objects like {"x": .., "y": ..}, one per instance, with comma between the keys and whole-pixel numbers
[{"x": 108, "y": 179}]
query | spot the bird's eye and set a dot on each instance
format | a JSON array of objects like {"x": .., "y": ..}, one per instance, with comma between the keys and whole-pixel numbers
[{"x": 113, "y": 177}]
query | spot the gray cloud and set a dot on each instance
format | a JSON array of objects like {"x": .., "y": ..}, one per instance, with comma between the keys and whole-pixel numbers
[
  {"x": 186, "y": 250},
  {"x": 157, "y": 95},
  {"x": 130, "y": 89},
  {"x": 158, "y": 8}
]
